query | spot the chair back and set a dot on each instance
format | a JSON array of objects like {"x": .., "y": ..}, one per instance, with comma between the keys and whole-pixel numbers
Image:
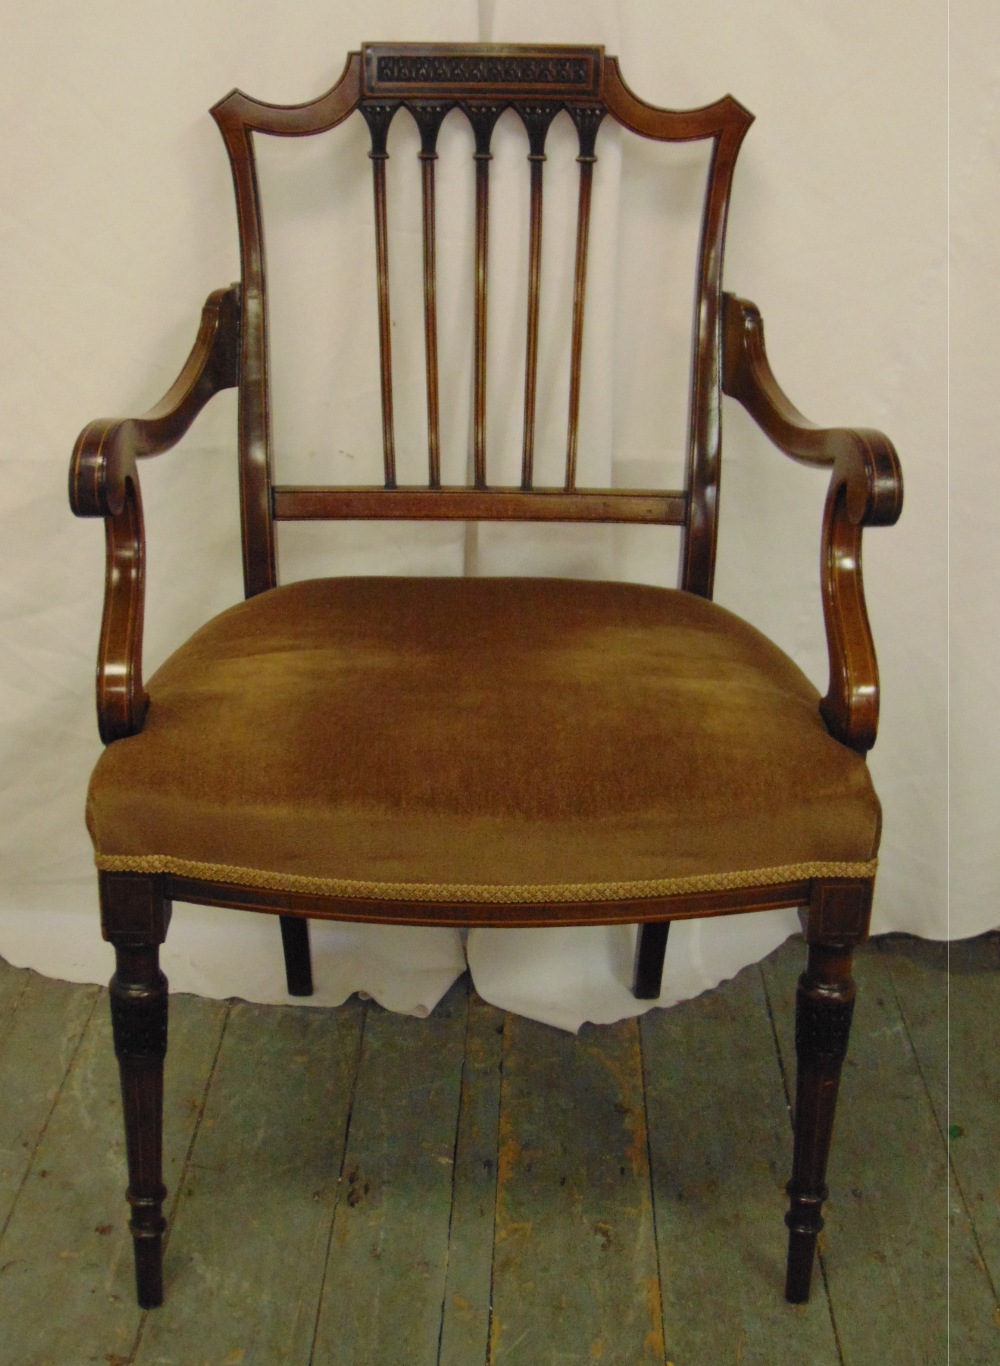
[{"x": 481, "y": 81}]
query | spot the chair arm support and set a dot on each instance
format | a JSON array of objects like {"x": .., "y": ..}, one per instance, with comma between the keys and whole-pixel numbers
[
  {"x": 104, "y": 482},
  {"x": 866, "y": 489}
]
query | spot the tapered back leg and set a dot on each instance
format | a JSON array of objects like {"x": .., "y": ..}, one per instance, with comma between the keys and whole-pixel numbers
[
  {"x": 298, "y": 959},
  {"x": 647, "y": 970}
]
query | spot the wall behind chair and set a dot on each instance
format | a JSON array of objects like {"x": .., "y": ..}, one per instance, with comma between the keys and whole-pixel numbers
[{"x": 119, "y": 220}]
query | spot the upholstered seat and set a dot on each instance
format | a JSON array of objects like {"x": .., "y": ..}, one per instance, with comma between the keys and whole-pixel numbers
[{"x": 483, "y": 740}]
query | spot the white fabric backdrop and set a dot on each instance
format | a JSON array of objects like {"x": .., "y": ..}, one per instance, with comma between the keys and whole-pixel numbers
[
  {"x": 975, "y": 482},
  {"x": 118, "y": 220}
]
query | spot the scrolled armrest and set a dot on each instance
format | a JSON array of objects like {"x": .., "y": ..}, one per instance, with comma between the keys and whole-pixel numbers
[
  {"x": 106, "y": 450},
  {"x": 104, "y": 482},
  {"x": 866, "y": 489}
]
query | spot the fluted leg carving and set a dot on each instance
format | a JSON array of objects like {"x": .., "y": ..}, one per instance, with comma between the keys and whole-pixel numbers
[
  {"x": 824, "y": 1006},
  {"x": 134, "y": 915},
  {"x": 647, "y": 970},
  {"x": 138, "y": 994}
]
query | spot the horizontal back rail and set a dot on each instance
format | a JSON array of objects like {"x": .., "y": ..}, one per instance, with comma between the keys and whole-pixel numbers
[
  {"x": 482, "y": 81},
  {"x": 298, "y": 503}
]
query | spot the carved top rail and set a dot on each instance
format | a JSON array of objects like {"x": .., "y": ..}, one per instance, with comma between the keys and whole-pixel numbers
[{"x": 402, "y": 69}]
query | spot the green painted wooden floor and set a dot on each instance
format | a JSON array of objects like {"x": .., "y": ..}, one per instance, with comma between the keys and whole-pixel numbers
[{"x": 350, "y": 1186}]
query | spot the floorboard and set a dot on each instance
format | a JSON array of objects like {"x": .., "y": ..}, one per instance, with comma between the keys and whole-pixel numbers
[
  {"x": 574, "y": 1275},
  {"x": 349, "y": 1186},
  {"x": 67, "y": 1243},
  {"x": 968, "y": 1107},
  {"x": 44, "y": 1032},
  {"x": 13, "y": 984},
  {"x": 385, "y": 1278},
  {"x": 962, "y": 1024},
  {"x": 467, "y": 1308},
  {"x": 888, "y": 1177},
  {"x": 720, "y": 1139},
  {"x": 245, "y": 1256}
]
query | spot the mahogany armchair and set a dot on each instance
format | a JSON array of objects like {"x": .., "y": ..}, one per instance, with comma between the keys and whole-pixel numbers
[{"x": 396, "y": 750}]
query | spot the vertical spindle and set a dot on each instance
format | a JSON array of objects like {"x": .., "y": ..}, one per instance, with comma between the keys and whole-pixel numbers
[
  {"x": 483, "y": 118},
  {"x": 429, "y": 118},
  {"x": 536, "y": 119},
  {"x": 378, "y": 117},
  {"x": 587, "y": 120}
]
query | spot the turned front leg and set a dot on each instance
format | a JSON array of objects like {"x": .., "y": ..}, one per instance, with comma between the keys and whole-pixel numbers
[
  {"x": 138, "y": 993},
  {"x": 824, "y": 1005}
]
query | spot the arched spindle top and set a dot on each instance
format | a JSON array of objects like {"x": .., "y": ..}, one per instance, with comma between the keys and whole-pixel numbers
[
  {"x": 483, "y": 118},
  {"x": 428, "y": 116},
  {"x": 537, "y": 119},
  {"x": 378, "y": 117}
]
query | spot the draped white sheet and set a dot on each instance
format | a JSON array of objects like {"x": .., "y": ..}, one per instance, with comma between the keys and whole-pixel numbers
[{"x": 118, "y": 220}]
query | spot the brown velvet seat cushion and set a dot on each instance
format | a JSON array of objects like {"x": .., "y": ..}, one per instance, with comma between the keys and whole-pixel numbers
[{"x": 483, "y": 740}]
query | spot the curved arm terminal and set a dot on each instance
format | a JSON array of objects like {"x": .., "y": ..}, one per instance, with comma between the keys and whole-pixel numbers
[
  {"x": 104, "y": 482},
  {"x": 866, "y": 489}
]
